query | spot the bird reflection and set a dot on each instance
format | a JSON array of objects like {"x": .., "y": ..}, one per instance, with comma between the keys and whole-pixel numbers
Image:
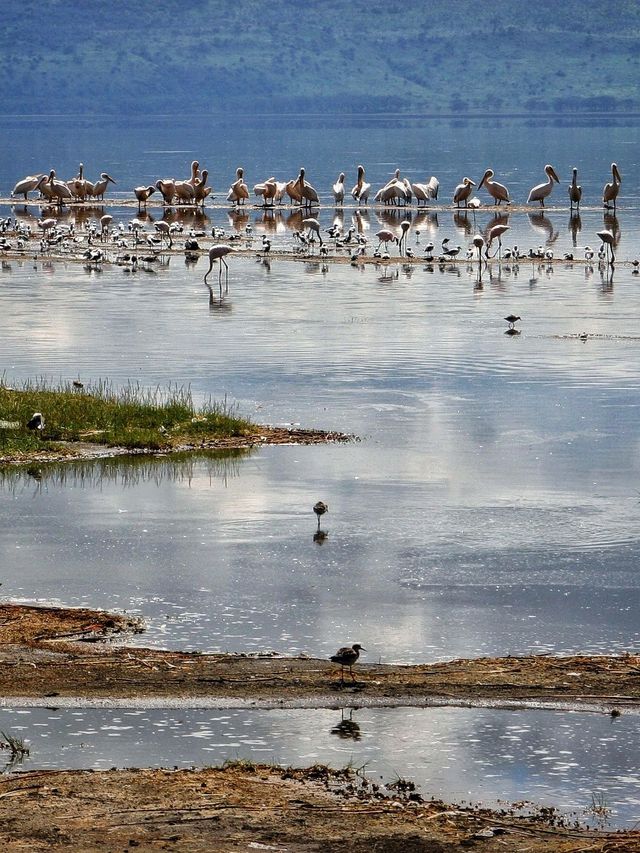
[
  {"x": 347, "y": 728},
  {"x": 426, "y": 221},
  {"x": 575, "y": 226},
  {"x": 393, "y": 217},
  {"x": 462, "y": 223},
  {"x": 320, "y": 536},
  {"x": 294, "y": 220},
  {"x": 238, "y": 219},
  {"x": 544, "y": 226},
  {"x": 612, "y": 224},
  {"x": 361, "y": 221}
]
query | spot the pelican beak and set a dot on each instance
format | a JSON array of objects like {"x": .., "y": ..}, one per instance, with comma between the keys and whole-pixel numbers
[
  {"x": 110, "y": 179},
  {"x": 555, "y": 177},
  {"x": 472, "y": 183},
  {"x": 617, "y": 173},
  {"x": 482, "y": 181}
]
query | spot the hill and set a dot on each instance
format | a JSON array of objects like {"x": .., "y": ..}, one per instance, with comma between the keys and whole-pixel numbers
[{"x": 213, "y": 56}]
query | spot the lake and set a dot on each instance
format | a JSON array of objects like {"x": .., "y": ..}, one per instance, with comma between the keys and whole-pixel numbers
[{"x": 491, "y": 504}]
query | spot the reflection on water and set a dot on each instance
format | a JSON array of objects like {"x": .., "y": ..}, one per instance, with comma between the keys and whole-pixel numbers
[{"x": 568, "y": 760}]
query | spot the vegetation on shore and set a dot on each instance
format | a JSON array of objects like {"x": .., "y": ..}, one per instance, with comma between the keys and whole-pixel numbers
[{"x": 131, "y": 417}]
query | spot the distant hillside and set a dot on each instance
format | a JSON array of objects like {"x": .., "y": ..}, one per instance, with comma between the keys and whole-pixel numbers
[{"x": 272, "y": 56}]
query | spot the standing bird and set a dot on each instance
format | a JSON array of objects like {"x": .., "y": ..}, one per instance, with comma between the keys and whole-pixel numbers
[
  {"x": 497, "y": 191},
  {"x": 320, "y": 508},
  {"x": 610, "y": 191},
  {"x": 575, "y": 192},
  {"x": 608, "y": 240},
  {"x": 60, "y": 192},
  {"x": 312, "y": 225},
  {"x": 36, "y": 422},
  {"x": 98, "y": 189},
  {"x": 541, "y": 191},
  {"x": 216, "y": 253},
  {"x": 426, "y": 192},
  {"x": 338, "y": 189},
  {"x": 494, "y": 233},
  {"x": 385, "y": 236},
  {"x": 511, "y": 319},
  {"x": 347, "y": 656},
  {"x": 463, "y": 191},
  {"x": 478, "y": 243},
  {"x": 142, "y": 194},
  {"x": 28, "y": 184},
  {"x": 238, "y": 191},
  {"x": 361, "y": 190},
  {"x": 404, "y": 227}
]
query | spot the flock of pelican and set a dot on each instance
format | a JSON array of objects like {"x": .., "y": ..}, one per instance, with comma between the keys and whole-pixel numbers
[{"x": 194, "y": 190}]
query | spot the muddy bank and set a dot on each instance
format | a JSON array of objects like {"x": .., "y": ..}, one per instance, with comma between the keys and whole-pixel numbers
[{"x": 57, "y": 652}]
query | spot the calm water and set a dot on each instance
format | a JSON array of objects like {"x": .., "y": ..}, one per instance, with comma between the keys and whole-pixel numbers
[
  {"x": 568, "y": 760},
  {"x": 492, "y": 504}
]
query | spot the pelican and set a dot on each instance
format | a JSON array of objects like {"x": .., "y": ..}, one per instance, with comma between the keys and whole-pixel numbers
[
  {"x": 338, "y": 189},
  {"x": 143, "y": 193},
  {"x": 167, "y": 188},
  {"x": 59, "y": 190},
  {"x": 426, "y": 192},
  {"x": 385, "y": 236},
  {"x": 494, "y": 233},
  {"x": 312, "y": 225},
  {"x": 608, "y": 240},
  {"x": 267, "y": 189},
  {"x": 28, "y": 184},
  {"x": 202, "y": 190},
  {"x": 79, "y": 186},
  {"x": 499, "y": 192},
  {"x": 575, "y": 192},
  {"x": 463, "y": 191},
  {"x": 195, "y": 171},
  {"x": 393, "y": 189},
  {"x": 610, "y": 191},
  {"x": 361, "y": 190},
  {"x": 98, "y": 189},
  {"x": 301, "y": 192},
  {"x": 541, "y": 191},
  {"x": 216, "y": 253},
  {"x": 238, "y": 191},
  {"x": 185, "y": 191}
]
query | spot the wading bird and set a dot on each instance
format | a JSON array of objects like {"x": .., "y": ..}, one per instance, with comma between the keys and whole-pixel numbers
[
  {"x": 217, "y": 253},
  {"x": 495, "y": 233},
  {"x": 575, "y": 191},
  {"x": 511, "y": 319},
  {"x": 610, "y": 191},
  {"x": 497, "y": 191},
  {"x": 312, "y": 225},
  {"x": 338, "y": 189},
  {"x": 28, "y": 184},
  {"x": 98, "y": 189},
  {"x": 238, "y": 191},
  {"x": 142, "y": 194},
  {"x": 347, "y": 656},
  {"x": 385, "y": 236},
  {"x": 426, "y": 192},
  {"x": 608, "y": 240},
  {"x": 320, "y": 508},
  {"x": 541, "y": 191}
]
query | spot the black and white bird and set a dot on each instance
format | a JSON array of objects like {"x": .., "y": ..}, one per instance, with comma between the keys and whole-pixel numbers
[
  {"x": 347, "y": 656},
  {"x": 36, "y": 422},
  {"x": 320, "y": 508}
]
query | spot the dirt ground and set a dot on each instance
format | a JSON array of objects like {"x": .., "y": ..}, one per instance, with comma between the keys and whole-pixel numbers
[{"x": 48, "y": 652}]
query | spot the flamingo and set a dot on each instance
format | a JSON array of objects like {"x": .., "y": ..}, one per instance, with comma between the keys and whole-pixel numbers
[
  {"x": 385, "y": 236},
  {"x": 361, "y": 190},
  {"x": 463, "y": 191},
  {"x": 497, "y": 191},
  {"x": 610, "y": 191},
  {"x": 608, "y": 240},
  {"x": 575, "y": 192},
  {"x": 496, "y": 232},
  {"x": 338, "y": 189},
  {"x": 312, "y": 225},
  {"x": 541, "y": 191},
  {"x": 405, "y": 225},
  {"x": 217, "y": 253}
]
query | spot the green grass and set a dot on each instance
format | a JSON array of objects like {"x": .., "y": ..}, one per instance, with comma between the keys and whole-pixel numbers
[{"x": 131, "y": 417}]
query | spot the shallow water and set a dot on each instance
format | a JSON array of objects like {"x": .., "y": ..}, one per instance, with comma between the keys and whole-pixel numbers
[
  {"x": 568, "y": 760},
  {"x": 491, "y": 506}
]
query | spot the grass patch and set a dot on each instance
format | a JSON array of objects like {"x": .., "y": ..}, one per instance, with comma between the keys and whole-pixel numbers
[{"x": 131, "y": 417}]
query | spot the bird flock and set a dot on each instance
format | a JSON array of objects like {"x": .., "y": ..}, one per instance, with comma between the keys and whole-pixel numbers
[{"x": 195, "y": 189}]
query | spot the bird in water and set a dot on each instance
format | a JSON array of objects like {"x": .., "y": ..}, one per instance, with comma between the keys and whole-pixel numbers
[
  {"x": 361, "y": 190},
  {"x": 511, "y": 319},
  {"x": 217, "y": 253},
  {"x": 347, "y": 656},
  {"x": 541, "y": 191},
  {"x": 610, "y": 192},
  {"x": 608, "y": 240},
  {"x": 463, "y": 191},
  {"x": 338, "y": 189},
  {"x": 575, "y": 191},
  {"x": 320, "y": 508},
  {"x": 497, "y": 191}
]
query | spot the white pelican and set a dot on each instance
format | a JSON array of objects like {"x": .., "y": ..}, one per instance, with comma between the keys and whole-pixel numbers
[
  {"x": 608, "y": 240},
  {"x": 267, "y": 189},
  {"x": 463, "y": 191},
  {"x": 541, "y": 191},
  {"x": 143, "y": 193},
  {"x": 497, "y": 191},
  {"x": 59, "y": 190},
  {"x": 338, "y": 189},
  {"x": 201, "y": 188},
  {"x": 426, "y": 192},
  {"x": 28, "y": 184},
  {"x": 238, "y": 191},
  {"x": 216, "y": 253},
  {"x": 185, "y": 191},
  {"x": 167, "y": 188},
  {"x": 98, "y": 189},
  {"x": 301, "y": 192},
  {"x": 361, "y": 190},
  {"x": 195, "y": 172},
  {"x": 394, "y": 189},
  {"x": 496, "y": 232},
  {"x": 575, "y": 192},
  {"x": 79, "y": 186},
  {"x": 610, "y": 191}
]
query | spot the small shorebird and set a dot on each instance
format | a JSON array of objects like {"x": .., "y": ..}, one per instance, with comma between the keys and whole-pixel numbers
[
  {"x": 511, "y": 319},
  {"x": 347, "y": 656},
  {"x": 320, "y": 508}
]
